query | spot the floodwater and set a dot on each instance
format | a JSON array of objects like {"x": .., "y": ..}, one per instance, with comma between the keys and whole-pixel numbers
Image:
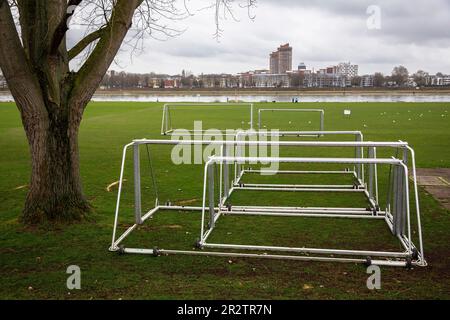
[{"x": 351, "y": 97}]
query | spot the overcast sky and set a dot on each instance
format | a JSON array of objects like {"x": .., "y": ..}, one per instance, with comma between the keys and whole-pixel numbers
[{"x": 415, "y": 33}]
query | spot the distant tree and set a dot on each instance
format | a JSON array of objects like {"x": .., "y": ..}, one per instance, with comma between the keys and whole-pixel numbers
[
  {"x": 356, "y": 81},
  {"x": 379, "y": 80},
  {"x": 439, "y": 74},
  {"x": 420, "y": 78},
  {"x": 51, "y": 98},
  {"x": 400, "y": 75}
]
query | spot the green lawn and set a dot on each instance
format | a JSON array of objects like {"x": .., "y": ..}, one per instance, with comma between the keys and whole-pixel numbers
[{"x": 33, "y": 262}]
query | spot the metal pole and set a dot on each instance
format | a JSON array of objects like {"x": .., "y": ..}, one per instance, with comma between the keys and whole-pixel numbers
[
  {"x": 359, "y": 155},
  {"x": 226, "y": 174},
  {"x": 119, "y": 194},
  {"x": 371, "y": 174},
  {"x": 163, "y": 130},
  {"x": 376, "y": 175},
  {"x": 137, "y": 185},
  {"x": 322, "y": 121},
  {"x": 211, "y": 195},
  {"x": 399, "y": 201},
  {"x": 416, "y": 197}
]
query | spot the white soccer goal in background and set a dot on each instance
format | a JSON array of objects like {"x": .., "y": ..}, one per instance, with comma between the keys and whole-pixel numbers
[{"x": 167, "y": 126}]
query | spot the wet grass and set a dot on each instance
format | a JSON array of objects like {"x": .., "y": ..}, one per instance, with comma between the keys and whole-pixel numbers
[{"x": 33, "y": 262}]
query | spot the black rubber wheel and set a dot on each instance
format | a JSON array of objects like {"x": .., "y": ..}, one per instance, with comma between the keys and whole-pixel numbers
[
  {"x": 121, "y": 250},
  {"x": 368, "y": 261},
  {"x": 415, "y": 254},
  {"x": 197, "y": 244},
  {"x": 408, "y": 262},
  {"x": 156, "y": 252}
]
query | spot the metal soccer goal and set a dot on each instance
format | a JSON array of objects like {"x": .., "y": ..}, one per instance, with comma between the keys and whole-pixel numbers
[
  {"x": 167, "y": 127},
  {"x": 396, "y": 214},
  {"x": 357, "y": 171}
]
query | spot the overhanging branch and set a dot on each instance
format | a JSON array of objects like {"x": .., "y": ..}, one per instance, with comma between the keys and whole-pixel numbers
[
  {"x": 93, "y": 70},
  {"x": 85, "y": 42}
]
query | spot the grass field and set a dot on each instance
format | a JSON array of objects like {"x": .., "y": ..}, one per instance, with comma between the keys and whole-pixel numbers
[{"x": 33, "y": 262}]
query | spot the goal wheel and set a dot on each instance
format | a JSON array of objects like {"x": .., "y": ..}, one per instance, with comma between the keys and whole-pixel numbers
[
  {"x": 121, "y": 250},
  {"x": 156, "y": 252},
  {"x": 415, "y": 254},
  {"x": 198, "y": 244},
  {"x": 409, "y": 262},
  {"x": 368, "y": 261}
]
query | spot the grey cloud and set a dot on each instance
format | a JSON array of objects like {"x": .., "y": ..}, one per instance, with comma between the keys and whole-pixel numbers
[{"x": 415, "y": 33}]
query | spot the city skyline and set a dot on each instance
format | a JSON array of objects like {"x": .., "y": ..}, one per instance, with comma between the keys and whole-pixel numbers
[{"x": 322, "y": 34}]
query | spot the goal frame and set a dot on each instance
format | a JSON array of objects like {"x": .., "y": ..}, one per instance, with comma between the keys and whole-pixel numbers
[
  {"x": 358, "y": 170},
  {"x": 166, "y": 126},
  {"x": 411, "y": 255}
]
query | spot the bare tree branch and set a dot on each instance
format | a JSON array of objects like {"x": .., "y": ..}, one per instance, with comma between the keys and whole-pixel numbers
[
  {"x": 84, "y": 43},
  {"x": 91, "y": 73}
]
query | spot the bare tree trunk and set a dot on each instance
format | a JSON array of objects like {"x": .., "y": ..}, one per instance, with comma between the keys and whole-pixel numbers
[
  {"x": 51, "y": 99},
  {"x": 55, "y": 189}
]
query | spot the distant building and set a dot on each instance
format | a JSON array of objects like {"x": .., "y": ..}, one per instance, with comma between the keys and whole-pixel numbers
[
  {"x": 170, "y": 84},
  {"x": 219, "y": 81},
  {"x": 281, "y": 60},
  {"x": 301, "y": 66},
  {"x": 270, "y": 80},
  {"x": 322, "y": 79},
  {"x": 438, "y": 81},
  {"x": 274, "y": 62},
  {"x": 367, "y": 80},
  {"x": 347, "y": 69},
  {"x": 246, "y": 80}
]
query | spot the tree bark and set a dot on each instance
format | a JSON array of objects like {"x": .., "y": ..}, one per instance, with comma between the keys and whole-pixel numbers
[{"x": 55, "y": 193}]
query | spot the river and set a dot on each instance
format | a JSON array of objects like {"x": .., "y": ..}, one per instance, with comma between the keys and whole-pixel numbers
[{"x": 351, "y": 97}]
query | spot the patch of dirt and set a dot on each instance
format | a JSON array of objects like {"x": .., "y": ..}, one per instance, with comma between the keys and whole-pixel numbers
[{"x": 437, "y": 183}]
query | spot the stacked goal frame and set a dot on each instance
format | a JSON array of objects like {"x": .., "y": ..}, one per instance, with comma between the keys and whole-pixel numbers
[{"x": 401, "y": 228}]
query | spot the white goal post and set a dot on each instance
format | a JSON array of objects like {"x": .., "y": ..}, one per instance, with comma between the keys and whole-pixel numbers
[
  {"x": 166, "y": 125},
  {"x": 397, "y": 216},
  {"x": 358, "y": 136},
  {"x": 397, "y": 213}
]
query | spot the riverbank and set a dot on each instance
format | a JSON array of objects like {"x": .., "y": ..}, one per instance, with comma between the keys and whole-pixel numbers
[
  {"x": 276, "y": 91},
  {"x": 34, "y": 261},
  {"x": 252, "y": 95}
]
